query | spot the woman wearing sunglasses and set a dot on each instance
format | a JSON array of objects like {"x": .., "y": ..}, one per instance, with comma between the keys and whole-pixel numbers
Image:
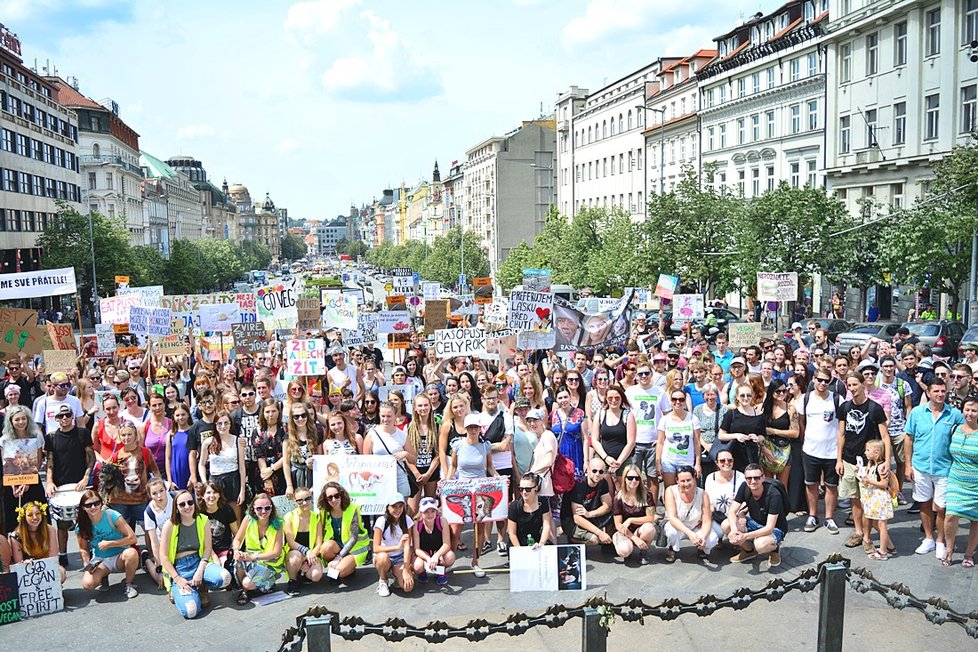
[
  {"x": 259, "y": 548},
  {"x": 678, "y": 440},
  {"x": 222, "y": 461},
  {"x": 303, "y": 534},
  {"x": 302, "y": 443},
  {"x": 105, "y": 543},
  {"x": 743, "y": 428},
  {"x": 188, "y": 562},
  {"x": 529, "y": 521},
  {"x": 634, "y": 514},
  {"x": 345, "y": 542}
]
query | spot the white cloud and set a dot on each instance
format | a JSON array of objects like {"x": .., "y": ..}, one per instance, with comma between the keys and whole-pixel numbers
[
  {"x": 287, "y": 144},
  {"x": 15, "y": 10},
  {"x": 192, "y": 132},
  {"x": 315, "y": 17},
  {"x": 602, "y": 18},
  {"x": 390, "y": 73}
]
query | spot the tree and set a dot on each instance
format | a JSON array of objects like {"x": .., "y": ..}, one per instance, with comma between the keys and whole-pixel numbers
[
  {"x": 255, "y": 255},
  {"x": 66, "y": 243},
  {"x": 149, "y": 267},
  {"x": 444, "y": 262},
  {"x": 352, "y": 248},
  {"x": 857, "y": 261},
  {"x": 293, "y": 247},
  {"x": 221, "y": 263},
  {"x": 184, "y": 268},
  {"x": 510, "y": 271}
]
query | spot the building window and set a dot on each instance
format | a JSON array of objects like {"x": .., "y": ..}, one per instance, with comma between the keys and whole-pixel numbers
[
  {"x": 812, "y": 167},
  {"x": 871, "y": 128},
  {"x": 795, "y": 118},
  {"x": 740, "y": 182},
  {"x": 741, "y": 87},
  {"x": 970, "y": 21},
  {"x": 968, "y": 105},
  {"x": 872, "y": 53},
  {"x": 92, "y": 181},
  {"x": 812, "y": 115},
  {"x": 896, "y": 193},
  {"x": 794, "y": 67},
  {"x": 755, "y": 182},
  {"x": 638, "y": 153},
  {"x": 723, "y": 93},
  {"x": 756, "y": 82},
  {"x": 604, "y": 128},
  {"x": 845, "y": 62},
  {"x": 900, "y": 44},
  {"x": 795, "y": 174},
  {"x": 933, "y": 41},
  {"x": 629, "y": 119},
  {"x": 741, "y": 131},
  {"x": 770, "y": 177},
  {"x": 770, "y": 124},
  {"x": 932, "y": 110},
  {"x": 755, "y": 127},
  {"x": 621, "y": 123},
  {"x": 770, "y": 74},
  {"x": 613, "y": 165},
  {"x": 709, "y": 139},
  {"x": 723, "y": 136},
  {"x": 845, "y": 141},
  {"x": 812, "y": 64},
  {"x": 899, "y": 123}
]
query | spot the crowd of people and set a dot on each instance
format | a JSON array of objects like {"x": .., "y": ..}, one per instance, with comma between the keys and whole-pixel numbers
[{"x": 635, "y": 448}]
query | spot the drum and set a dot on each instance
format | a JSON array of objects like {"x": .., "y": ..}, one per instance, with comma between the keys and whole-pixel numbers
[{"x": 64, "y": 503}]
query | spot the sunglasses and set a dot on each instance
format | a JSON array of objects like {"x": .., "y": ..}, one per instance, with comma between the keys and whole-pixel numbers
[
  {"x": 63, "y": 385},
  {"x": 598, "y": 471},
  {"x": 303, "y": 501},
  {"x": 186, "y": 503},
  {"x": 93, "y": 505},
  {"x": 725, "y": 461},
  {"x": 781, "y": 390},
  {"x": 753, "y": 478},
  {"x": 822, "y": 380},
  {"x": 643, "y": 374},
  {"x": 370, "y": 402},
  {"x": 295, "y": 389},
  {"x": 677, "y": 399},
  {"x": 526, "y": 490},
  {"x": 633, "y": 478},
  {"x": 573, "y": 380},
  {"x": 207, "y": 402},
  {"x": 332, "y": 497},
  {"x": 63, "y": 416},
  {"x": 263, "y": 508},
  {"x": 244, "y": 394},
  {"x": 299, "y": 416}
]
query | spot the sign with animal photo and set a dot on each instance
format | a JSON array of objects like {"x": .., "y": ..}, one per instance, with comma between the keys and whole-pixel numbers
[
  {"x": 464, "y": 305},
  {"x": 218, "y": 316},
  {"x": 435, "y": 315},
  {"x": 305, "y": 357},
  {"x": 39, "y": 586},
  {"x": 687, "y": 307},
  {"x": 399, "y": 341},
  {"x": 393, "y": 321},
  {"x": 482, "y": 500},
  {"x": 548, "y": 568},
  {"x": 483, "y": 290},
  {"x": 369, "y": 479},
  {"x": 531, "y": 311},
  {"x": 396, "y": 302},
  {"x": 537, "y": 280},
  {"x": 20, "y": 462}
]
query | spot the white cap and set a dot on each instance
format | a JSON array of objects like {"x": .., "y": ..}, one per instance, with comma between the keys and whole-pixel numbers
[
  {"x": 536, "y": 413},
  {"x": 395, "y": 498},
  {"x": 796, "y": 326},
  {"x": 472, "y": 420}
]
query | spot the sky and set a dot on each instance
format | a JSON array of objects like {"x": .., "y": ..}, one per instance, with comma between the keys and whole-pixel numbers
[{"x": 324, "y": 103}]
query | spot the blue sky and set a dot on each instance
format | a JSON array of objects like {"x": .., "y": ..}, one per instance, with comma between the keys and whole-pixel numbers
[{"x": 324, "y": 103}]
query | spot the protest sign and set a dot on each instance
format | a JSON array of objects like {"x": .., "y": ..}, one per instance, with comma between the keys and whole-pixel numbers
[
  {"x": 218, "y": 316},
  {"x": 20, "y": 457},
  {"x": 38, "y": 587},
  {"x": 62, "y": 336},
  {"x": 278, "y": 304},
  {"x": 46, "y": 283},
  {"x": 151, "y": 322},
  {"x": 595, "y": 330},
  {"x": 340, "y": 311},
  {"x": 305, "y": 357},
  {"x": 495, "y": 313},
  {"x": 393, "y": 321},
  {"x": 548, "y": 568},
  {"x": 408, "y": 391},
  {"x": 687, "y": 307},
  {"x": 531, "y": 311},
  {"x": 184, "y": 306},
  {"x": 435, "y": 315},
  {"x": 450, "y": 342},
  {"x": 743, "y": 334},
  {"x": 115, "y": 310},
  {"x": 369, "y": 479},
  {"x": 105, "y": 337},
  {"x": 172, "y": 344},
  {"x": 58, "y": 360},
  {"x": 537, "y": 280},
  {"x": 150, "y": 296},
  {"x": 483, "y": 290},
  {"x": 399, "y": 340},
  {"x": 20, "y": 333},
  {"x": 365, "y": 332},
  {"x": 308, "y": 311},
  {"x": 782, "y": 286},
  {"x": 430, "y": 291},
  {"x": 482, "y": 500},
  {"x": 249, "y": 337},
  {"x": 396, "y": 302},
  {"x": 535, "y": 340},
  {"x": 666, "y": 286},
  {"x": 640, "y": 297},
  {"x": 9, "y": 599},
  {"x": 402, "y": 284}
]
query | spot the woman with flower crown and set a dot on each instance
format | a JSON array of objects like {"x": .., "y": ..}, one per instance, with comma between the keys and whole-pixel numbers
[{"x": 34, "y": 537}]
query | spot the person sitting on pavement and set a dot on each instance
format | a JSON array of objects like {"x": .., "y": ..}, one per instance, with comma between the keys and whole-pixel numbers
[
  {"x": 303, "y": 535},
  {"x": 259, "y": 548},
  {"x": 34, "y": 537},
  {"x": 392, "y": 547},
  {"x": 758, "y": 518},
  {"x": 634, "y": 514},
  {"x": 721, "y": 486},
  {"x": 345, "y": 543},
  {"x": 188, "y": 559},
  {"x": 529, "y": 522},
  {"x": 106, "y": 543},
  {"x": 590, "y": 519},
  {"x": 432, "y": 543},
  {"x": 689, "y": 514}
]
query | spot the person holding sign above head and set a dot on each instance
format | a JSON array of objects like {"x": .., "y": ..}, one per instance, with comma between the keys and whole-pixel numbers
[
  {"x": 344, "y": 540},
  {"x": 34, "y": 538},
  {"x": 106, "y": 543}
]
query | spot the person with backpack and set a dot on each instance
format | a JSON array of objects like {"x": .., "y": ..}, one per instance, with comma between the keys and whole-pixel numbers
[
  {"x": 901, "y": 397},
  {"x": 819, "y": 450},
  {"x": 432, "y": 544},
  {"x": 758, "y": 518}
]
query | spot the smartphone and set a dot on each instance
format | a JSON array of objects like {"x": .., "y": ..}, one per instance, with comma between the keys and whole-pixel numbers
[{"x": 94, "y": 563}]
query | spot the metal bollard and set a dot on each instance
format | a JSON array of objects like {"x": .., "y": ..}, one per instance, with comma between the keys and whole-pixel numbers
[
  {"x": 594, "y": 636},
  {"x": 318, "y": 631},
  {"x": 832, "y": 608}
]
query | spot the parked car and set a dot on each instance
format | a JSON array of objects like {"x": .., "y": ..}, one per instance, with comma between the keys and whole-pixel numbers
[
  {"x": 832, "y": 326},
  {"x": 970, "y": 337},
  {"x": 859, "y": 334},
  {"x": 944, "y": 335}
]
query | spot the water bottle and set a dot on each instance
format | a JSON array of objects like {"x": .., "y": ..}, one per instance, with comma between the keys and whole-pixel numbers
[{"x": 530, "y": 541}]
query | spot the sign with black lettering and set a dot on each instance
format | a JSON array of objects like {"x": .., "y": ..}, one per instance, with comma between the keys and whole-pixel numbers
[
  {"x": 451, "y": 342},
  {"x": 39, "y": 587}
]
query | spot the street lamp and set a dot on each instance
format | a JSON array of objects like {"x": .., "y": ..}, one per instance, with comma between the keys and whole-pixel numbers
[{"x": 662, "y": 148}]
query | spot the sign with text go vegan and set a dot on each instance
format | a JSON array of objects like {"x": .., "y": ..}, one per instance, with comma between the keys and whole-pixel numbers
[{"x": 450, "y": 342}]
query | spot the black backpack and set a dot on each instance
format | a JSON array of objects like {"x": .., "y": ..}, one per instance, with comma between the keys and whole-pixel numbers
[{"x": 775, "y": 484}]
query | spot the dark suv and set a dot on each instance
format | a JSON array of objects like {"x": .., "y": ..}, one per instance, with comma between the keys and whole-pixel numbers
[{"x": 943, "y": 335}]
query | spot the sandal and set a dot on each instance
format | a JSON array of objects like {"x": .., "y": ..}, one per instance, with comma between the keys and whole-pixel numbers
[
  {"x": 461, "y": 546},
  {"x": 968, "y": 562},
  {"x": 670, "y": 555},
  {"x": 878, "y": 556},
  {"x": 243, "y": 598},
  {"x": 946, "y": 562}
]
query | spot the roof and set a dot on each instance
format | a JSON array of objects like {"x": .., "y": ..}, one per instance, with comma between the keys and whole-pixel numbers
[
  {"x": 68, "y": 96},
  {"x": 156, "y": 167}
]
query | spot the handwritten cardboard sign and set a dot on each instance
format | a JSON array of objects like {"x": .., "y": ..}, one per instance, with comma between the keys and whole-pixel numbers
[
  {"x": 39, "y": 587},
  {"x": 249, "y": 337},
  {"x": 9, "y": 599},
  {"x": 19, "y": 333},
  {"x": 58, "y": 360}
]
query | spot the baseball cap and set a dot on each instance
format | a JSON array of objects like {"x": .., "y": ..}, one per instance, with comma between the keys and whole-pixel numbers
[
  {"x": 521, "y": 402},
  {"x": 428, "y": 503},
  {"x": 738, "y": 360},
  {"x": 399, "y": 370},
  {"x": 673, "y": 351},
  {"x": 660, "y": 357},
  {"x": 867, "y": 364},
  {"x": 472, "y": 420},
  {"x": 64, "y": 409},
  {"x": 796, "y": 326},
  {"x": 536, "y": 413},
  {"x": 395, "y": 498}
]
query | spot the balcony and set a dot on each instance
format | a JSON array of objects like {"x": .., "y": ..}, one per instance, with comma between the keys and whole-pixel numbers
[{"x": 110, "y": 160}]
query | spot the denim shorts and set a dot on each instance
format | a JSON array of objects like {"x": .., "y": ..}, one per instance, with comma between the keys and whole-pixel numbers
[{"x": 753, "y": 525}]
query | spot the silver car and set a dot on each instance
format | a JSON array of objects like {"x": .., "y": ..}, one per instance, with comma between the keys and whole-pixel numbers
[{"x": 859, "y": 334}]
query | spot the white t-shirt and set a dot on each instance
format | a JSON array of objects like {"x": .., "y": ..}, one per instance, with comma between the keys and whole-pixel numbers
[
  {"x": 47, "y": 406},
  {"x": 645, "y": 407},
  {"x": 722, "y": 493},
  {"x": 338, "y": 377},
  {"x": 393, "y": 537},
  {"x": 821, "y": 427},
  {"x": 678, "y": 445},
  {"x": 153, "y": 519}
]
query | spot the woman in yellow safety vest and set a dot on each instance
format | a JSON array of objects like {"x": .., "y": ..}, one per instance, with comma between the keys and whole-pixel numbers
[
  {"x": 189, "y": 560},
  {"x": 259, "y": 551},
  {"x": 345, "y": 542},
  {"x": 303, "y": 534}
]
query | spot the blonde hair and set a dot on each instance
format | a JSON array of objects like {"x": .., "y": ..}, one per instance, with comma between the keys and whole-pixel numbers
[
  {"x": 876, "y": 445},
  {"x": 414, "y": 429},
  {"x": 641, "y": 497}
]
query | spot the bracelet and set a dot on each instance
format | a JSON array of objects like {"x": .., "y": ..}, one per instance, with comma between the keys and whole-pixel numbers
[{"x": 303, "y": 549}]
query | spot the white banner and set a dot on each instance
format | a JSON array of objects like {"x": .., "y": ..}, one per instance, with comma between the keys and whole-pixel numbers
[
  {"x": 105, "y": 339},
  {"x": 531, "y": 311},
  {"x": 151, "y": 296},
  {"x": 687, "y": 307},
  {"x": 27, "y": 285},
  {"x": 278, "y": 305},
  {"x": 548, "y": 568},
  {"x": 115, "y": 310},
  {"x": 430, "y": 291},
  {"x": 369, "y": 479},
  {"x": 393, "y": 321},
  {"x": 305, "y": 357},
  {"x": 219, "y": 316},
  {"x": 450, "y": 342},
  {"x": 339, "y": 310},
  {"x": 153, "y": 322}
]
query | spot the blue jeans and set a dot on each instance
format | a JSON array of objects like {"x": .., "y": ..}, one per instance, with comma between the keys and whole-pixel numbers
[
  {"x": 753, "y": 525},
  {"x": 215, "y": 577},
  {"x": 132, "y": 513}
]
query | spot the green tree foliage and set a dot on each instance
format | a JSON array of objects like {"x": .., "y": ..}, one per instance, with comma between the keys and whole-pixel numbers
[
  {"x": 353, "y": 248},
  {"x": 440, "y": 262},
  {"x": 293, "y": 247},
  {"x": 255, "y": 255}
]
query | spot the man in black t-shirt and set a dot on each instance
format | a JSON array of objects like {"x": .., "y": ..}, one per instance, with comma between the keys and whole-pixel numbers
[
  {"x": 759, "y": 518},
  {"x": 860, "y": 420},
  {"x": 207, "y": 403},
  {"x": 589, "y": 519},
  {"x": 245, "y": 423},
  {"x": 70, "y": 460}
]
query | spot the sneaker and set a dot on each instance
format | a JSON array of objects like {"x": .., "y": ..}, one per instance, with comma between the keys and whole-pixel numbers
[
  {"x": 743, "y": 555},
  {"x": 831, "y": 526},
  {"x": 939, "y": 550},
  {"x": 442, "y": 580},
  {"x": 774, "y": 559},
  {"x": 292, "y": 588},
  {"x": 914, "y": 508},
  {"x": 131, "y": 591},
  {"x": 486, "y": 548},
  {"x": 477, "y": 571},
  {"x": 927, "y": 545},
  {"x": 811, "y": 524},
  {"x": 502, "y": 549},
  {"x": 423, "y": 577},
  {"x": 382, "y": 589},
  {"x": 901, "y": 499}
]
